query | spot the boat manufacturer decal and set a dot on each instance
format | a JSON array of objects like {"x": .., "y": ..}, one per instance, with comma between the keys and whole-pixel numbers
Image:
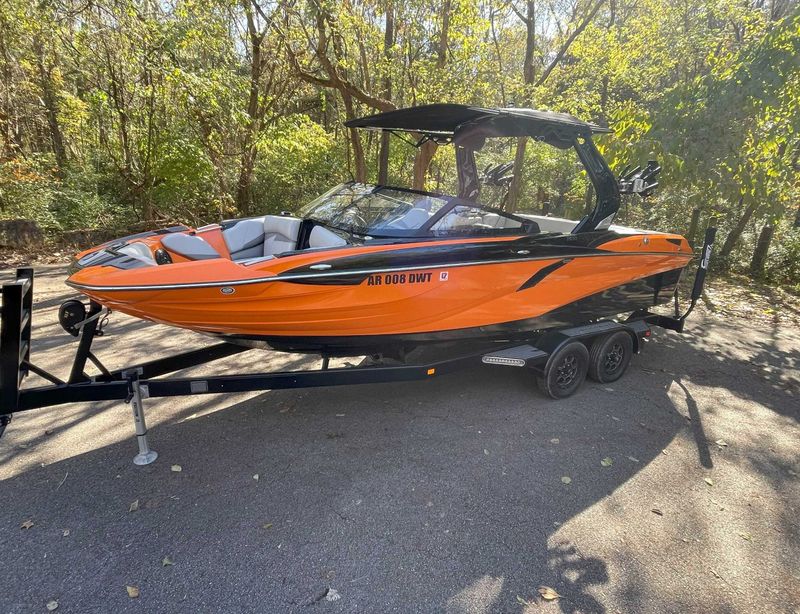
[{"x": 227, "y": 290}]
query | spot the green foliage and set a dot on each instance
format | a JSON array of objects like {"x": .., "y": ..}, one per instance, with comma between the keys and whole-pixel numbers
[
  {"x": 183, "y": 179},
  {"x": 31, "y": 189},
  {"x": 783, "y": 264},
  {"x": 194, "y": 111},
  {"x": 298, "y": 160}
]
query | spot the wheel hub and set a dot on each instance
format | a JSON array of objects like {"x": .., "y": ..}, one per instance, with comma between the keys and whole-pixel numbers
[
  {"x": 566, "y": 371},
  {"x": 613, "y": 358}
]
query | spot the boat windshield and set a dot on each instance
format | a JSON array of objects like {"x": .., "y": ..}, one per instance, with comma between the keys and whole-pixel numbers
[{"x": 374, "y": 210}]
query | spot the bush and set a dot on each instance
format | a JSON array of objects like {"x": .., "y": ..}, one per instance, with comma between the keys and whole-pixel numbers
[
  {"x": 297, "y": 161},
  {"x": 31, "y": 189},
  {"x": 783, "y": 262},
  {"x": 27, "y": 188}
]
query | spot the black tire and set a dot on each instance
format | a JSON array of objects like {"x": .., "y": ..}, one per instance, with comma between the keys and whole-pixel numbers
[
  {"x": 610, "y": 356},
  {"x": 565, "y": 370}
]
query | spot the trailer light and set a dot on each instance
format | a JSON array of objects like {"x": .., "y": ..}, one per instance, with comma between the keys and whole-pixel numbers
[
  {"x": 500, "y": 360},
  {"x": 648, "y": 332},
  {"x": 431, "y": 371}
]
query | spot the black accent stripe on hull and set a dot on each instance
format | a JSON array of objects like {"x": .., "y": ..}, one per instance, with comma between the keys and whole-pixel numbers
[
  {"x": 542, "y": 273},
  {"x": 626, "y": 298},
  {"x": 433, "y": 255}
]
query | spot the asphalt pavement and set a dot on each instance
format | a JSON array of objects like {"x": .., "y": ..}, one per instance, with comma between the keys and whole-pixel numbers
[{"x": 447, "y": 495}]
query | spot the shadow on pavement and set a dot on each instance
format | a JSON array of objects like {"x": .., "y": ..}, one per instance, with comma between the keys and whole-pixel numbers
[{"x": 444, "y": 495}]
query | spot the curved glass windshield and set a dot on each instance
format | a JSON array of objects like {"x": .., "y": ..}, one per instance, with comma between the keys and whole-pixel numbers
[
  {"x": 373, "y": 210},
  {"x": 383, "y": 212}
]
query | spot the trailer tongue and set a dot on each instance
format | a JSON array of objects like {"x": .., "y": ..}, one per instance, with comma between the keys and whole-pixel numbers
[{"x": 560, "y": 359}]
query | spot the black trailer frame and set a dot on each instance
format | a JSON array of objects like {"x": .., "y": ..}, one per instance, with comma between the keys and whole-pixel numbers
[{"x": 135, "y": 383}]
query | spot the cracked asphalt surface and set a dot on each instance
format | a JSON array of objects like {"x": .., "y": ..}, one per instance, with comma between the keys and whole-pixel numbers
[{"x": 437, "y": 496}]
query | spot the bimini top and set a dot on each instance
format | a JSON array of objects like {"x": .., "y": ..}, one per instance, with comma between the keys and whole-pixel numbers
[{"x": 469, "y": 126}]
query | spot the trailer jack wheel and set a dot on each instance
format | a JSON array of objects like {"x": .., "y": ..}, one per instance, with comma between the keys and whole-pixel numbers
[
  {"x": 565, "y": 370},
  {"x": 610, "y": 356}
]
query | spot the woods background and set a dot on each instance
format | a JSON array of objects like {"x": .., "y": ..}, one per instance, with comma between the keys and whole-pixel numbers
[{"x": 114, "y": 112}]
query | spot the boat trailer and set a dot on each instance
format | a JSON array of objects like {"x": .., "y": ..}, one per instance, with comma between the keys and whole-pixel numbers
[{"x": 541, "y": 352}]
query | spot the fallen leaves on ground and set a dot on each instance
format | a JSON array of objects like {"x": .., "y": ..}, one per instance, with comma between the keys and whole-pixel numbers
[
  {"x": 657, "y": 511},
  {"x": 52, "y": 606},
  {"x": 27, "y": 524},
  {"x": 745, "y": 536},
  {"x": 708, "y": 481},
  {"x": 267, "y": 525},
  {"x": 134, "y": 506},
  {"x": 548, "y": 593},
  {"x": 566, "y": 479},
  {"x": 332, "y": 595},
  {"x": 133, "y": 591},
  {"x": 255, "y": 477},
  {"x": 166, "y": 561},
  {"x": 555, "y": 440},
  {"x": 65, "y": 533},
  {"x": 721, "y": 443},
  {"x": 176, "y": 468},
  {"x": 606, "y": 462}
]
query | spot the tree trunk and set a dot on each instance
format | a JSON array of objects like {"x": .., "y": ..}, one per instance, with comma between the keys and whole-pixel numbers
[
  {"x": 528, "y": 75},
  {"x": 528, "y": 67},
  {"x": 515, "y": 186},
  {"x": 388, "y": 43},
  {"x": 244, "y": 184},
  {"x": 355, "y": 138},
  {"x": 50, "y": 100},
  {"x": 761, "y": 251},
  {"x": 444, "y": 35},
  {"x": 733, "y": 235},
  {"x": 693, "y": 226},
  {"x": 421, "y": 163}
]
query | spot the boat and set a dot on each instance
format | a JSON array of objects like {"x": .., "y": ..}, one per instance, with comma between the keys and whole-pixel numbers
[{"x": 376, "y": 269}]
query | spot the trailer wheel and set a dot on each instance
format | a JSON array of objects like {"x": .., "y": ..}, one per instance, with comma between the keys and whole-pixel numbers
[
  {"x": 610, "y": 356},
  {"x": 565, "y": 370}
]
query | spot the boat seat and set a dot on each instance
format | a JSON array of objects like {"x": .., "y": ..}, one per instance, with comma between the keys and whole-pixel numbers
[
  {"x": 189, "y": 246},
  {"x": 245, "y": 239},
  {"x": 322, "y": 237},
  {"x": 138, "y": 250},
  {"x": 280, "y": 234},
  {"x": 492, "y": 220},
  {"x": 262, "y": 236},
  {"x": 414, "y": 218}
]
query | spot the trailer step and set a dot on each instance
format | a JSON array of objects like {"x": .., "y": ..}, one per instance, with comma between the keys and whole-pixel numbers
[{"x": 517, "y": 356}]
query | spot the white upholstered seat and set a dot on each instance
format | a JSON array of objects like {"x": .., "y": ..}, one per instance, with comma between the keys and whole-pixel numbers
[
  {"x": 189, "y": 246},
  {"x": 322, "y": 237},
  {"x": 255, "y": 239}
]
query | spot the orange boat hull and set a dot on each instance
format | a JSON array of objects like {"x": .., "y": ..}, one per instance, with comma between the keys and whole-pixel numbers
[{"x": 224, "y": 297}]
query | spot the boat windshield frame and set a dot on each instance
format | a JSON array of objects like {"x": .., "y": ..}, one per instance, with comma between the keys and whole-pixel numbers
[{"x": 425, "y": 230}]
